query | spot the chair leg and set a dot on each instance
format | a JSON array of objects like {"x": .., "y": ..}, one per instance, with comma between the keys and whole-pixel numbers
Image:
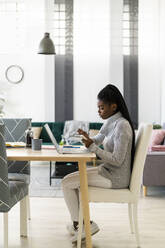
[
  {"x": 136, "y": 224},
  {"x": 144, "y": 190},
  {"x": 28, "y": 207},
  {"x": 130, "y": 217},
  {"x": 80, "y": 226},
  {"x": 50, "y": 173},
  {"x": 23, "y": 217},
  {"x": 5, "y": 231}
]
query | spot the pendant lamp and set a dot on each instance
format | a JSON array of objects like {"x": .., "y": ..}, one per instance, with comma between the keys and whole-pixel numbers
[{"x": 46, "y": 46}]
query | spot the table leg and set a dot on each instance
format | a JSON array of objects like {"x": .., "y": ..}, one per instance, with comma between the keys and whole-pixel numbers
[
  {"x": 50, "y": 174},
  {"x": 94, "y": 162},
  {"x": 144, "y": 190},
  {"x": 85, "y": 201}
]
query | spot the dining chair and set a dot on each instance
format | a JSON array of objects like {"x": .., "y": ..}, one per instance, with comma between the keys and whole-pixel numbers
[
  {"x": 11, "y": 192},
  {"x": 15, "y": 132},
  {"x": 129, "y": 195}
]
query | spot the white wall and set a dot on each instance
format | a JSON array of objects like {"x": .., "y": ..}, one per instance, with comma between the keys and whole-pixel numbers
[
  {"x": 162, "y": 58},
  {"x": 149, "y": 61},
  {"x": 26, "y": 98},
  {"x": 91, "y": 55},
  {"x": 34, "y": 96}
]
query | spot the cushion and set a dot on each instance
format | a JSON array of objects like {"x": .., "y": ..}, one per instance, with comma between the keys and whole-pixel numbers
[
  {"x": 157, "y": 137},
  {"x": 93, "y": 132},
  {"x": 36, "y": 132},
  {"x": 158, "y": 148}
]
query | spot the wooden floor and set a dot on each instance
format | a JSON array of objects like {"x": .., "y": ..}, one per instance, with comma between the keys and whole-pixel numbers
[{"x": 47, "y": 228}]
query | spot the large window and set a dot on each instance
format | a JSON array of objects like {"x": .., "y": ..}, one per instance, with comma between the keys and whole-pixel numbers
[
  {"x": 130, "y": 27},
  {"x": 12, "y": 26},
  {"x": 59, "y": 22},
  {"x": 59, "y": 25}
]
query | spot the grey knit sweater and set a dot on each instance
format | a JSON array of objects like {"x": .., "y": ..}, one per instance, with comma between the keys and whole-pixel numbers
[{"x": 116, "y": 137}]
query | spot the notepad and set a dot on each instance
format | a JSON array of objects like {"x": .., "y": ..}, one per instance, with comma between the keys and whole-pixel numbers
[{"x": 15, "y": 144}]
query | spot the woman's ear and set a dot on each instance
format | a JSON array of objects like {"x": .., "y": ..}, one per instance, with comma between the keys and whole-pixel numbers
[{"x": 114, "y": 107}]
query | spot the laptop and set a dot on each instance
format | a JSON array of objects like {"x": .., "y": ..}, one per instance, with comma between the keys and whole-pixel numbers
[{"x": 66, "y": 148}]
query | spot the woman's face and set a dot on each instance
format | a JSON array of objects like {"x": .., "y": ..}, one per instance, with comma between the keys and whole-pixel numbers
[{"x": 106, "y": 110}]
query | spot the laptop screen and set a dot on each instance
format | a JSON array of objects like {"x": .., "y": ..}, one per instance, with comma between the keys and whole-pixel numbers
[{"x": 51, "y": 136}]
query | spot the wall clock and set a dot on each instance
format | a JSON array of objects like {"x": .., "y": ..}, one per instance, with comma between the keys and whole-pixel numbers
[{"x": 14, "y": 74}]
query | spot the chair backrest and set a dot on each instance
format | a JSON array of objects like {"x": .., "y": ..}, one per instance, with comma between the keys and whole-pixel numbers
[
  {"x": 141, "y": 147},
  {"x": 4, "y": 187},
  {"x": 15, "y": 131},
  {"x": 15, "y": 128}
]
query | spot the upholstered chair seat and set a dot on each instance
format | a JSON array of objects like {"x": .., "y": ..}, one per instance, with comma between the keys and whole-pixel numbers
[
  {"x": 18, "y": 190},
  {"x": 11, "y": 192}
]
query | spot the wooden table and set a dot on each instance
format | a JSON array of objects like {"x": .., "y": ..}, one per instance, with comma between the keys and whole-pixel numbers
[{"x": 27, "y": 154}]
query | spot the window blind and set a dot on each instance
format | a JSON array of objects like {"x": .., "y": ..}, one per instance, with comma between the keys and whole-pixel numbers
[{"x": 12, "y": 26}]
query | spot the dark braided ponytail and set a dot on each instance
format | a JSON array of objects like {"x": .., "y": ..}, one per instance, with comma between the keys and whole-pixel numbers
[{"x": 110, "y": 94}]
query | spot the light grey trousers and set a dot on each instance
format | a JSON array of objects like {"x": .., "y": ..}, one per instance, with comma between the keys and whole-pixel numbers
[{"x": 71, "y": 184}]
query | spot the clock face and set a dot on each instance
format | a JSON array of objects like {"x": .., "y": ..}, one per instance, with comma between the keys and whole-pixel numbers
[{"x": 14, "y": 74}]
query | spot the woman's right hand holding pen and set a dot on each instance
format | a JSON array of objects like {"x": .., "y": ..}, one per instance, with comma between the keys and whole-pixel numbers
[{"x": 86, "y": 140}]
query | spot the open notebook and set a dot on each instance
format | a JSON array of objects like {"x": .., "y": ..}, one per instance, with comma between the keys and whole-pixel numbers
[{"x": 15, "y": 144}]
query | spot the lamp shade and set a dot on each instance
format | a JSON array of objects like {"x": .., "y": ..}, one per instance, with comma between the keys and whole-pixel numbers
[{"x": 46, "y": 45}]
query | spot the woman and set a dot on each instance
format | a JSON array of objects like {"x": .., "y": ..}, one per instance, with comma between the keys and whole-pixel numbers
[{"x": 118, "y": 136}]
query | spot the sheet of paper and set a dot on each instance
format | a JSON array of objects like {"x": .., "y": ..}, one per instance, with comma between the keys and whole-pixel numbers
[{"x": 48, "y": 147}]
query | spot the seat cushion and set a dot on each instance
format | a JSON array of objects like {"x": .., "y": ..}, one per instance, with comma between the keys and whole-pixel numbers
[
  {"x": 97, "y": 194},
  {"x": 18, "y": 190},
  {"x": 19, "y": 177}
]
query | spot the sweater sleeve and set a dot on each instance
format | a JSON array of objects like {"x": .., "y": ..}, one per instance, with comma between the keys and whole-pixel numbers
[
  {"x": 122, "y": 138},
  {"x": 98, "y": 139}
]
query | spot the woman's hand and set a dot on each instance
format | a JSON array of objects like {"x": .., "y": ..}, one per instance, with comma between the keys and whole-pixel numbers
[
  {"x": 80, "y": 131},
  {"x": 86, "y": 140}
]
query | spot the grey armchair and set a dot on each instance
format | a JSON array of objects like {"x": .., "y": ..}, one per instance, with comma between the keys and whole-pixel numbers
[
  {"x": 11, "y": 192},
  {"x": 15, "y": 131}
]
